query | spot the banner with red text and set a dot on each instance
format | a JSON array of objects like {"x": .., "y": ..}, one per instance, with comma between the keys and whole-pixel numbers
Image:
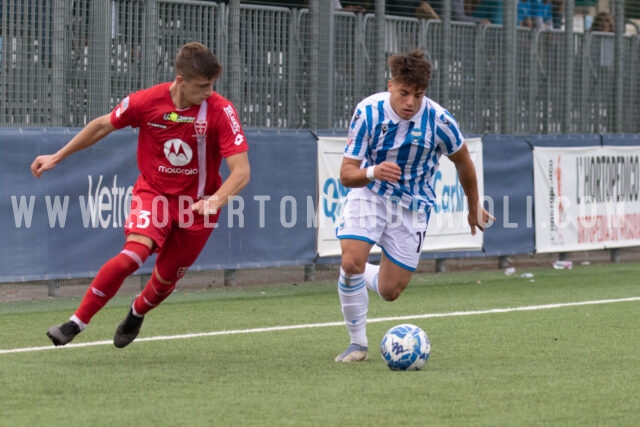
[{"x": 586, "y": 198}]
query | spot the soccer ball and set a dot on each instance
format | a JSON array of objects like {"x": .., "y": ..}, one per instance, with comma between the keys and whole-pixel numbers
[{"x": 405, "y": 348}]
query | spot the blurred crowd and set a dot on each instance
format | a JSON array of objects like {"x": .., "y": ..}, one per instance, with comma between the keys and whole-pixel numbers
[{"x": 538, "y": 14}]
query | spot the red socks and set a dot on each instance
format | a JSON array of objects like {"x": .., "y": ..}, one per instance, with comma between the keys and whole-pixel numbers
[
  {"x": 153, "y": 294},
  {"x": 110, "y": 278}
]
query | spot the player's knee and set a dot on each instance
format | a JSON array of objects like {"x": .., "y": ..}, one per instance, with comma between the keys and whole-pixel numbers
[
  {"x": 391, "y": 293},
  {"x": 165, "y": 279},
  {"x": 351, "y": 266}
]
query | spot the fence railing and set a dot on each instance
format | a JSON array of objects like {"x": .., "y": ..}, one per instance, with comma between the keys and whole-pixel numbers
[{"x": 63, "y": 63}]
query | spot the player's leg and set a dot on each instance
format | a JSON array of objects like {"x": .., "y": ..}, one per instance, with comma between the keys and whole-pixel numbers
[
  {"x": 103, "y": 287},
  {"x": 362, "y": 224},
  {"x": 180, "y": 250},
  {"x": 392, "y": 278},
  {"x": 401, "y": 244},
  {"x": 354, "y": 299}
]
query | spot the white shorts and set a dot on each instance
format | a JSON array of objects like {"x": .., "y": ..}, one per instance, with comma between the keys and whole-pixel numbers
[{"x": 399, "y": 231}]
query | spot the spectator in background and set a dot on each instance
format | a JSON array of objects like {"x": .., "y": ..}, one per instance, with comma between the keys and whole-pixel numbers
[
  {"x": 279, "y": 3},
  {"x": 541, "y": 14},
  {"x": 410, "y": 9},
  {"x": 557, "y": 13},
  {"x": 524, "y": 14},
  {"x": 362, "y": 6},
  {"x": 490, "y": 10},
  {"x": 603, "y": 22},
  {"x": 458, "y": 12}
]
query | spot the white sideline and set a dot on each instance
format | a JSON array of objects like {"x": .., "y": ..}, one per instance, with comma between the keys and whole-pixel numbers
[{"x": 328, "y": 324}]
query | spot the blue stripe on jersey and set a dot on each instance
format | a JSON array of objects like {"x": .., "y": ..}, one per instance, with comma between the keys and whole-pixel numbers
[
  {"x": 445, "y": 138},
  {"x": 418, "y": 167},
  {"x": 357, "y": 147},
  {"x": 377, "y": 128},
  {"x": 404, "y": 151}
]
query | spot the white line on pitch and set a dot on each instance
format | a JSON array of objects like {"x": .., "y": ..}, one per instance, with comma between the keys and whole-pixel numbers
[{"x": 328, "y": 324}]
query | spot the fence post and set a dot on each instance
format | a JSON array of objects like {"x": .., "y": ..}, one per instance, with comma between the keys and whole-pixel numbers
[
  {"x": 309, "y": 272},
  {"x": 503, "y": 262},
  {"x": 150, "y": 42},
  {"x": 568, "y": 72},
  {"x": 509, "y": 46},
  {"x": 59, "y": 51},
  {"x": 235, "y": 93},
  {"x": 326, "y": 65},
  {"x": 379, "y": 54},
  {"x": 445, "y": 54},
  {"x": 54, "y": 288},
  {"x": 100, "y": 41},
  {"x": 144, "y": 279},
  {"x": 229, "y": 277},
  {"x": 314, "y": 11},
  {"x": 620, "y": 104},
  {"x": 615, "y": 255}
]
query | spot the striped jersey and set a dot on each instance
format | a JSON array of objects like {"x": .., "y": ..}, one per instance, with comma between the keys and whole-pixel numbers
[{"x": 378, "y": 134}]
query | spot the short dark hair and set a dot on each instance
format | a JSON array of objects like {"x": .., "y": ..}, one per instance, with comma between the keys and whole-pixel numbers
[
  {"x": 195, "y": 60},
  {"x": 412, "y": 69}
]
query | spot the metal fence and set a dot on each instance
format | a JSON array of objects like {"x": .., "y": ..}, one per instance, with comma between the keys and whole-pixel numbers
[{"x": 64, "y": 62}]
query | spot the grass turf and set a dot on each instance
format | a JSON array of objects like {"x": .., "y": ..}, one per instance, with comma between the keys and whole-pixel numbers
[{"x": 565, "y": 366}]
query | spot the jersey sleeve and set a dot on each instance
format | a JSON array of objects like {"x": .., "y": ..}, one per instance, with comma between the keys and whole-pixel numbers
[
  {"x": 358, "y": 136},
  {"x": 229, "y": 131},
  {"x": 448, "y": 134},
  {"x": 123, "y": 114}
]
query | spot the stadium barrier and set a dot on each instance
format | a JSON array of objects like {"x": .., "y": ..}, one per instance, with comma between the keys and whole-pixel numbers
[{"x": 66, "y": 224}]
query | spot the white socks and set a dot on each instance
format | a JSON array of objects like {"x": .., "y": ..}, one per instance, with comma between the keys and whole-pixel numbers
[
  {"x": 78, "y": 322},
  {"x": 371, "y": 277},
  {"x": 354, "y": 300}
]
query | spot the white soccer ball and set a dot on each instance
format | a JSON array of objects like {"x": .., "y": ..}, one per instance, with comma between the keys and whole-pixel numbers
[{"x": 405, "y": 348}]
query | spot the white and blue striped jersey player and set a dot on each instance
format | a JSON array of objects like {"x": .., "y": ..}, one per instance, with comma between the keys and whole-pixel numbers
[{"x": 377, "y": 134}]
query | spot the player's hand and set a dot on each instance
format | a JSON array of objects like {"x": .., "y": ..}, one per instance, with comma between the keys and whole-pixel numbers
[
  {"x": 388, "y": 171},
  {"x": 480, "y": 219},
  {"x": 42, "y": 164},
  {"x": 208, "y": 206}
]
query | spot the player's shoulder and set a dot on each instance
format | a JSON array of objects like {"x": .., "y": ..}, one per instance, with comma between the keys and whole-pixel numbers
[
  {"x": 442, "y": 115},
  {"x": 220, "y": 108}
]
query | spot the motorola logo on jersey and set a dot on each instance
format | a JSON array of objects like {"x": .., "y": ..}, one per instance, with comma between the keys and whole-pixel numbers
[{"x": 177, "y": 152}]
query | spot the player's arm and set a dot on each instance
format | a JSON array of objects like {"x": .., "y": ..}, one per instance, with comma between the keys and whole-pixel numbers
[
  {"x": 240, "y": 174},
  {"x": 478, "y": 216},
  {"x": 352, "y": 176},
  {"x": 97, "y": 129}
]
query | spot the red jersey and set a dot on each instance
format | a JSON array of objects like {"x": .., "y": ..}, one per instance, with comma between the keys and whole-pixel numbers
[{"x": 180, "y": 151}]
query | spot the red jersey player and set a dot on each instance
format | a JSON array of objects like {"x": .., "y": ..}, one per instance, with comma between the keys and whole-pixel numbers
[{"x": 186, "y": 130}]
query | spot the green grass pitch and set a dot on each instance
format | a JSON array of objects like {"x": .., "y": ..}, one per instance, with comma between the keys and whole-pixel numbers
[{"x": 548, "y": 365}]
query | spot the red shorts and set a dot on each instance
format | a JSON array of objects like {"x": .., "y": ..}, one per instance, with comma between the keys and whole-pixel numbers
[{"x": 179, "y": 234}]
